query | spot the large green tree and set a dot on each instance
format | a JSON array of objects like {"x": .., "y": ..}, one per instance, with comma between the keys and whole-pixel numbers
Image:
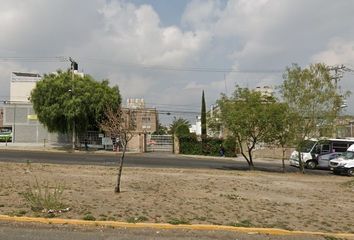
[
  {"x": 248, "y": 116},
  {"x": 313, "y": 100},
  {"x": 64, "y": 101}
]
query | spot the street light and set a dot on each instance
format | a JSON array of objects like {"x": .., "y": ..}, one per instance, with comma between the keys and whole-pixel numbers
[
  {"x": 351, "y": 128},
  {"x": 74, "y": 67}
]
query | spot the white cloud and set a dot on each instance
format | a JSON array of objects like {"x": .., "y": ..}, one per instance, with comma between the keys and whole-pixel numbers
[
  {"x": 339, "y": 51},
  {"x": 113, "y": 39}
]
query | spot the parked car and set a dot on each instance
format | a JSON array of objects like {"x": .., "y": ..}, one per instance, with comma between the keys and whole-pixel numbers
[
  {"x": 5, "y": 136},
  {"x": 323, "y": 160},
  {"x": 312, "y": 149},
  {"x": 344, "y": 164},
  {"x": 345, "y": 167}
]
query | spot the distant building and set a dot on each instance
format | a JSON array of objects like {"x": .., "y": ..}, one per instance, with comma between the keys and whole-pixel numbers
[
  {"x": 19, "y": 116},
  {"x": 21, "y": 86},
  {"x": 197, "y": 127},
  {"x": 146, "y": 120},
  {"x": 266, "y": 91}
]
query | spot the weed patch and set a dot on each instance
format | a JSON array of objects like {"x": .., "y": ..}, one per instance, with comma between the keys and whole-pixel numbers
[
  {"x": 176, "y": 221},
  {"x": 42, "y": 197}
]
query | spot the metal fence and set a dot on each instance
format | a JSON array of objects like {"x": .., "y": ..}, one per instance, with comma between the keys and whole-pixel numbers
[{"x": 159, "y": 143}]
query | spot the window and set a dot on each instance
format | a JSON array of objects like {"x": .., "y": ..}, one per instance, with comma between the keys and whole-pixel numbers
[
  {"x": 325, "y": 148},
  {"x": 340, "y": 146}
]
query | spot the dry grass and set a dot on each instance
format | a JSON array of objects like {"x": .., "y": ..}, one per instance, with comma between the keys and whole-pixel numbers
[{"x": 288, "y": 201}]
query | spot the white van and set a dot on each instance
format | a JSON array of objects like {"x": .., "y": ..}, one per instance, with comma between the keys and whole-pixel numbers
[
  {"x": 344, "y": 164},
  {"x": 317, "y": 153}
]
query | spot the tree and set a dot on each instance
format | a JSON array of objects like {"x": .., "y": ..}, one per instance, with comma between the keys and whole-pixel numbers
[
  {"x": 313, "y": 100},
  {"x": 180, "y": 127},
  {"x": 282, "y": 124},
  {"x": 203, "y": 123},
  {"x": 161, "y": 130},
  {"x": 64, "y": 102},
  {"x": 247, "y": 116},
  {"x": 119, "y": 124}
]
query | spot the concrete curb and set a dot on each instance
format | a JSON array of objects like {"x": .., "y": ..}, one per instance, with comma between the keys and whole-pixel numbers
[{"x": 77, "y": 222}]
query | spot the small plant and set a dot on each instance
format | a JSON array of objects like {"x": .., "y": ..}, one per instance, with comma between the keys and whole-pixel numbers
[
  {"x": 176, "y": 221},
  {"x": 137, "y": 219},
  {"x": 89, "y": 217},
  {"x": 331, "y": 238},
  {"x": 43, "y": 197},
  {"x": 20, "y": 213},
  {"x": 243, "y": 223}
]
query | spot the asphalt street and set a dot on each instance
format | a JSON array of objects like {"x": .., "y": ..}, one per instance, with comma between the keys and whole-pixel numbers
[
  {"x": 30, "y": 231},
  {"x": 149, "y": 160}
]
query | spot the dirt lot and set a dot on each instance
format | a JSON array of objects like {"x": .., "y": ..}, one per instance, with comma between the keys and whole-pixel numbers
[{"x": 241, "y": 198}]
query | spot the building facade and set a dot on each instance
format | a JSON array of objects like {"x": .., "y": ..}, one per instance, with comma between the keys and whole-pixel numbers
[
  {"x": 18, "y": 114},
  {"x": 145, "y": 120}
]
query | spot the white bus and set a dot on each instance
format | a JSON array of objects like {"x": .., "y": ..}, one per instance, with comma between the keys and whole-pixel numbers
[{"x": 317, "y": 153}]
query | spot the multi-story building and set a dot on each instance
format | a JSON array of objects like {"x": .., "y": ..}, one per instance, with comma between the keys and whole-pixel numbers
[
  {"x": 145, "y": 120},
  {"x": 18, "y": 114},
  {"x": 265, "y": 91}
]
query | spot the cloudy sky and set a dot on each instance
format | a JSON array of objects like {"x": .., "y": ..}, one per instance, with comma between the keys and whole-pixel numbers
[{"x": 167, "y": 52}]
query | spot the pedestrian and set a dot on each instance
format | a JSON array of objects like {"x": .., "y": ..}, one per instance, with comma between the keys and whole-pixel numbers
[
  {"x": 222, "y": 151},
  {"x": 86, "y": 144}
]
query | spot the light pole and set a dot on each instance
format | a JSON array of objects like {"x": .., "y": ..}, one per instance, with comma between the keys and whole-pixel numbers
[
  {"x": 74, "y": 66},
  {"x": 351, "y": 128}
]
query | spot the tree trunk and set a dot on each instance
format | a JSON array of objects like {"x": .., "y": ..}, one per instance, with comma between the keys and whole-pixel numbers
[
  {"x": 121, "y": 161},
  {"x": 251, "y": 166},
  {"x": 301, "y": 164},
  {"x": 283, "y": 159}
]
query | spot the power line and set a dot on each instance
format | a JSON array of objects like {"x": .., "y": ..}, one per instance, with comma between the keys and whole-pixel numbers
[
  {"x": 34, "y": 59},
  {"x": 178, "y": 68}
]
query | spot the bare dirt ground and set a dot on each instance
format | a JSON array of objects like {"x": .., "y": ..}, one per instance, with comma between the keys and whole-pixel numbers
[{"x": 241, "y": 198}]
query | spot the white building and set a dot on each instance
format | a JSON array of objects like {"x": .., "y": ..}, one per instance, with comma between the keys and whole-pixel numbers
[
  {"x": 19, "y": 116},
  {"x": 266, "y": 91},
  {"x": 21, "y": 86},
  {"x": 197, "y": 127}
]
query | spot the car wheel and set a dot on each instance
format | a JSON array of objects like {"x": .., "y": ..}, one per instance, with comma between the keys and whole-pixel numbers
[
  {"x": 311, "y": 164},
  {"x": 351, "y": 172}
]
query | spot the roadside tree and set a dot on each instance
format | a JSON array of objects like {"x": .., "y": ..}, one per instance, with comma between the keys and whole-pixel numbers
[
  {"x": 313, "y": 100},
  {"x": 248, "y": 116},
  {"x": 65, "y": 102},
  {"x": 120, "y": 125},
  {"x": 282, "y": 124}
]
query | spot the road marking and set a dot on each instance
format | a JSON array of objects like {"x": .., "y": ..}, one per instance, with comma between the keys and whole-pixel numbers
[{"x": 272, "y": 231}]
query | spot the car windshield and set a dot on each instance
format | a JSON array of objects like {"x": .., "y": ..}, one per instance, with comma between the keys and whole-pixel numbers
[
  {"x": 348, "y": 155},
  {"x": 307, "y": 145}
]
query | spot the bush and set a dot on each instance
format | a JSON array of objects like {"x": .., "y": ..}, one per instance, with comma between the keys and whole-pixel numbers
[
  {"x": 189, "y": 144},
  {"x": 43, "y": 197}
]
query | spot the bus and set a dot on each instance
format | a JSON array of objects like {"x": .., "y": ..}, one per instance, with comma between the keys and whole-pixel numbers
[{"x": 316, "y": 153}]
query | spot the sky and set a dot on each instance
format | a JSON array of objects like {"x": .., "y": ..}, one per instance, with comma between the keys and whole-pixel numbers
[{"x": 168, "y": 52}]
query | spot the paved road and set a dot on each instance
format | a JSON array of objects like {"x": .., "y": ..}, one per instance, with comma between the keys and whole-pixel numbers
[
  {"x": 150, "y": 160},
  {"x": 29, "y": 231}
]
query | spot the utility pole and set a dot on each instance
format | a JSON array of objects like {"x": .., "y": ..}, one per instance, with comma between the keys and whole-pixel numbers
[
  {"x": 338, "y": 73},
  {"x": 74, "y": 66}
]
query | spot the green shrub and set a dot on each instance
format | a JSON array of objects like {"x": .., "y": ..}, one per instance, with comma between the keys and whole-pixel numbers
[
  {"x": 189, "y": 144},
  {"x": 89, "y": 217},
  {"x": 176, "y": 221},
  {"x": 43, "y": 197}
]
